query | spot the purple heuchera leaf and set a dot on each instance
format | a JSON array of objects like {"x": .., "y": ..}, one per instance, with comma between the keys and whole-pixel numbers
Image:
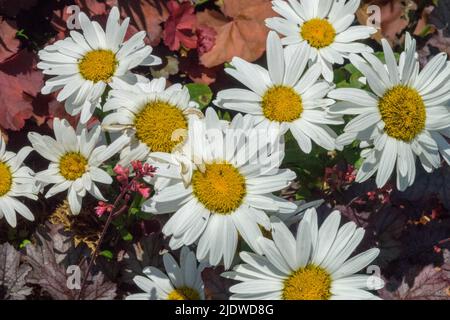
[
  {"x": 432, "y": 283},
  {"x": 13, "y": 274},
  {"x": 54, "y": 277}
]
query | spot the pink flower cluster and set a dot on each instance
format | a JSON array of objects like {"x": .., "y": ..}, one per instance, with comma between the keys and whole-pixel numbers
[
  {"x": 135, "y": 185},
  {"x": 102, "y": 208},
  {"x": 336, "y": 178},
  {"x": 131, "y": 181},
  {"x": 381, "y": 195}
]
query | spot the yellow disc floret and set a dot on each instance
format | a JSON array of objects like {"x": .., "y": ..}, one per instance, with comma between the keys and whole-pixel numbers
[
  {"x": 308, "y": 283},
  {"x": 403, "y": 112},
  {"x": 98, "y": 65},
  {"x": 319, "y": 33},
  {"x": 157, "y": 124},
  {"x": 5, "y": 179},
  {"x": 72, "y": 165},
  {"x": 220, "y": 187},
  {"x": 282, "y": 104},
  {"x": 183, "y": 293}
]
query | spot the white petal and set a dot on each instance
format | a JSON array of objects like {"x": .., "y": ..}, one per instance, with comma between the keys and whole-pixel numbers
[
  {"x": 274, "y": 58},
  {"x": 387, "y": 162},
  {"x": 284, "y": 241}
]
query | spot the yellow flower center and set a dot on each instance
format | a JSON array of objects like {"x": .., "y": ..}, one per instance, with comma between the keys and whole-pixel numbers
[
  {"x": 156, "y": 126},
  {"x": 403, "y": 112},
  {"x": 183, "y": 293},
  {"x": 72, "y": 165},
  {"x": 5, "y": 179},
  {"x": 319, "y": 33},
  {"x": 308, "y": 283},
  {"x": 220, "y": 188},
  {"x": 98, "y": 65},
  {"x": 282, "y": 104}
]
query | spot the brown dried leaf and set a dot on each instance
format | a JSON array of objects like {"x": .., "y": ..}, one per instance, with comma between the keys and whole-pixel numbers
[
  {"x": 145, "y": 15},
  {"x": 20, "y": 82},
  {"x": 394, "y": 18},
  {"x": 8, "y": 42},
  {"x": 65, "y": 14},
  {"x": 240, "y": 30},
  {"x": 92, "y": 7}
]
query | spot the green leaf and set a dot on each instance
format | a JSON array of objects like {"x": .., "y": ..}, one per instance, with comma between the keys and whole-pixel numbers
[
  {"x": 134, "y": 210},
  {"x": 200, "y": 93},
  {"x": 354, "y": 81},
  {"x": 126, "y": 235},
  {"x": 109, "y": 170},
  {"x": 428, "y": 29},
  {"x": 24, "y": 243},
  {"x": 359, "y": 163},
  {"x": 144, "y": 215},
  {"x": 339, "y": 75},
  {"x": 380, "y": 55},
  {"x": 226, "y": 116},
  {"x": 107, "y": 254},
  {"x": 343, "y": 84},
  {"x": 351, "y": 68},
  {"x": 228, "y": 65},
  {"x": 21, "y": 34},
  {"x": 135, "y": 206},
  {"x": 199, "y": 2}
]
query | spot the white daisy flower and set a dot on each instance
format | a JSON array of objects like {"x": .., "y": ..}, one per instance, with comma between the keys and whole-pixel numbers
[
  {"x": 404, "y": 117},
  {"x": 74, "y": 161},
  {"x": 286, "y": 97},
  {"x": 154, "y": 118},
  {"x": 220, "y": 190},
  {"x": 314, "y": 265},
  {"x": 16, "y": 180},
  {"x": 324, "y": 26},
  {"x": 182, "y": 282},
  {"x": 84, "y": 64}
]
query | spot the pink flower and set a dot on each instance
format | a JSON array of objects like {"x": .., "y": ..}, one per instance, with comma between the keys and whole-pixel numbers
[
  {"x": 350, "y": 175},
  {"x": 142, "y": 170},
  {"x": 179, "y": 29},
  {"x": 103, "y": 207},
  {"x": 371, "y": 195},
  {"x": 141, "y": 188},
  {"x": 122, "y": 174},
  {"x": 337, "y": 177}
]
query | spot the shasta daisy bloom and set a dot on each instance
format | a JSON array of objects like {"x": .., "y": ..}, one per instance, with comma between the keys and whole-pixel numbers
[
  {"x": 221, "y": 190},
  {"x": 314, "y": 265},
  {"x": 16, "y": 180},
  {"x": 84, "y": 64},
  {"x": 153, "y": 117},
  {"x": 324, "y": 26},
  {"x": 75, "y": 161},
  {"x": 182, "y": 282},
  {"x": 403, "y": 117},
  {"x": 286, "y": 97}
]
